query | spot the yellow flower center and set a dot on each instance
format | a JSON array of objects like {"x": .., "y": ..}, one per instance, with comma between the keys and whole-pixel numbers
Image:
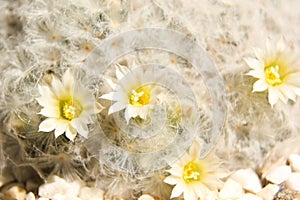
[
  {"x": 140, "y": 96},
  {"x": 70, "y": 108},
  {"x": 272, "y": 75},
  {"x": 192, "y": 171}
]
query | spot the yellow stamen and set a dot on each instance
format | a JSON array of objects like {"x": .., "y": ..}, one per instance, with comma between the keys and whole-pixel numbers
[
  {"x": 272, "y": 74},
  {"x": 192, "y": 171},
  {"x": 70, "y": 109},
  {"x": 140, "y": 96}
]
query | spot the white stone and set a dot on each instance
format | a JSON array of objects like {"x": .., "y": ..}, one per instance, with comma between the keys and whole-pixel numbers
[
  {"x": 64, "y": 197},
  {"x": 16, "y": 192},
  {"x": 249, "y": 196},
  {"x": 248, "y": 179},
  {"x": 30, "y": 196},
  {"x": 88, "y": 193},
  {"x": 269, "y": 191},
  {"x": 231, "y": 190},
  {"x": 278, "y": 174},
  {"x": 294, "y": 181},
  {"x": 294, "y": 160},
  {"x": 57, "y": 186},
  {"x": 59, "y": 197},
  {"x": 145, "y": 197}
]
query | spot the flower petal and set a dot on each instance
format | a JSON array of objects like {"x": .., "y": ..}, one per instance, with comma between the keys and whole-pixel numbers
[
  {"x": 85, "y": 117},
  {"x": 115, "y": 96},
  {"x": 127, "y": 116},
  {"x": 68, "y": 80},
  {"x": 176, "y": 170},
  {"x": 254, "y": 63},
  {"x": 142, "y": 111},
  {"x": 46, "y": 101},
  {"x": 288, "y": 92},
  {"x": 47, "y": 125},
  {"x": 273, "y": 96},
  {"x": 82, "y": 94},
  {"x": 185, "y": 159},
  {"x": 189, "y": 193},
  {"x": 280, "y": 46},
  {"x": 57, "y": 87},
  {"x": 111, "y": 83},
  {"x": 116, "y": 107},
  {"x": 108, "y": 96},
  {"x": 177, "y": 190},
  {"x": 296, "y": 90},
  {"x": 195, "y": 150},
  {"x": 61, "y": 126},
  {"x": 293, "y": 79},
  {"x": 259, "y": 86},
  {"x": 202, "y": 192},
  {"x": 255, "y": 73},
  {"x": 71, "y": 133},
  {"x": 282, "y": 95},
  {"x": 83, "y": 131},
  {"x": 50, "y": 112},
  {"x": 259, "y": 53},
  {"x": 81, "y": 127},
  {"x": 270, "y": 49},
  {"x": 121, "y": 71},
  {"x": 45, "y": 91},
  {"x": 130, "y": 112},
  {"x": 171, "y": 180}
]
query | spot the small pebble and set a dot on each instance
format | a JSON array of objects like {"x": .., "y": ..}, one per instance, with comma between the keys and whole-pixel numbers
[
  {"x": 88, "y": 193},
  {"x": 16, "y": 192},
  {"x": 249, "y": 196},
  {"x": 294, "y": 181},
  {"x": 294, "y": 160},
  {"x": 64, "y": 197},
  {"x": 268, "y": 192},
  {"x": 248, "y": 179},
  {"x": 30, "y": 196},
  {"x": 278, "y": 174},
  {"x": 146, "y": 197},
  {"x": 60, "y": 186},
  {"x": 231, "y": 190}
]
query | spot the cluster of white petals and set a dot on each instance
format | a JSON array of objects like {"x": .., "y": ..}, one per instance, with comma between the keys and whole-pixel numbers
[
  {"x": 67, "y": 105},
  {"x": 194, "y": 177},
  {"x": 277, "y": 69},
  {"x": 130, "y": 93}
]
